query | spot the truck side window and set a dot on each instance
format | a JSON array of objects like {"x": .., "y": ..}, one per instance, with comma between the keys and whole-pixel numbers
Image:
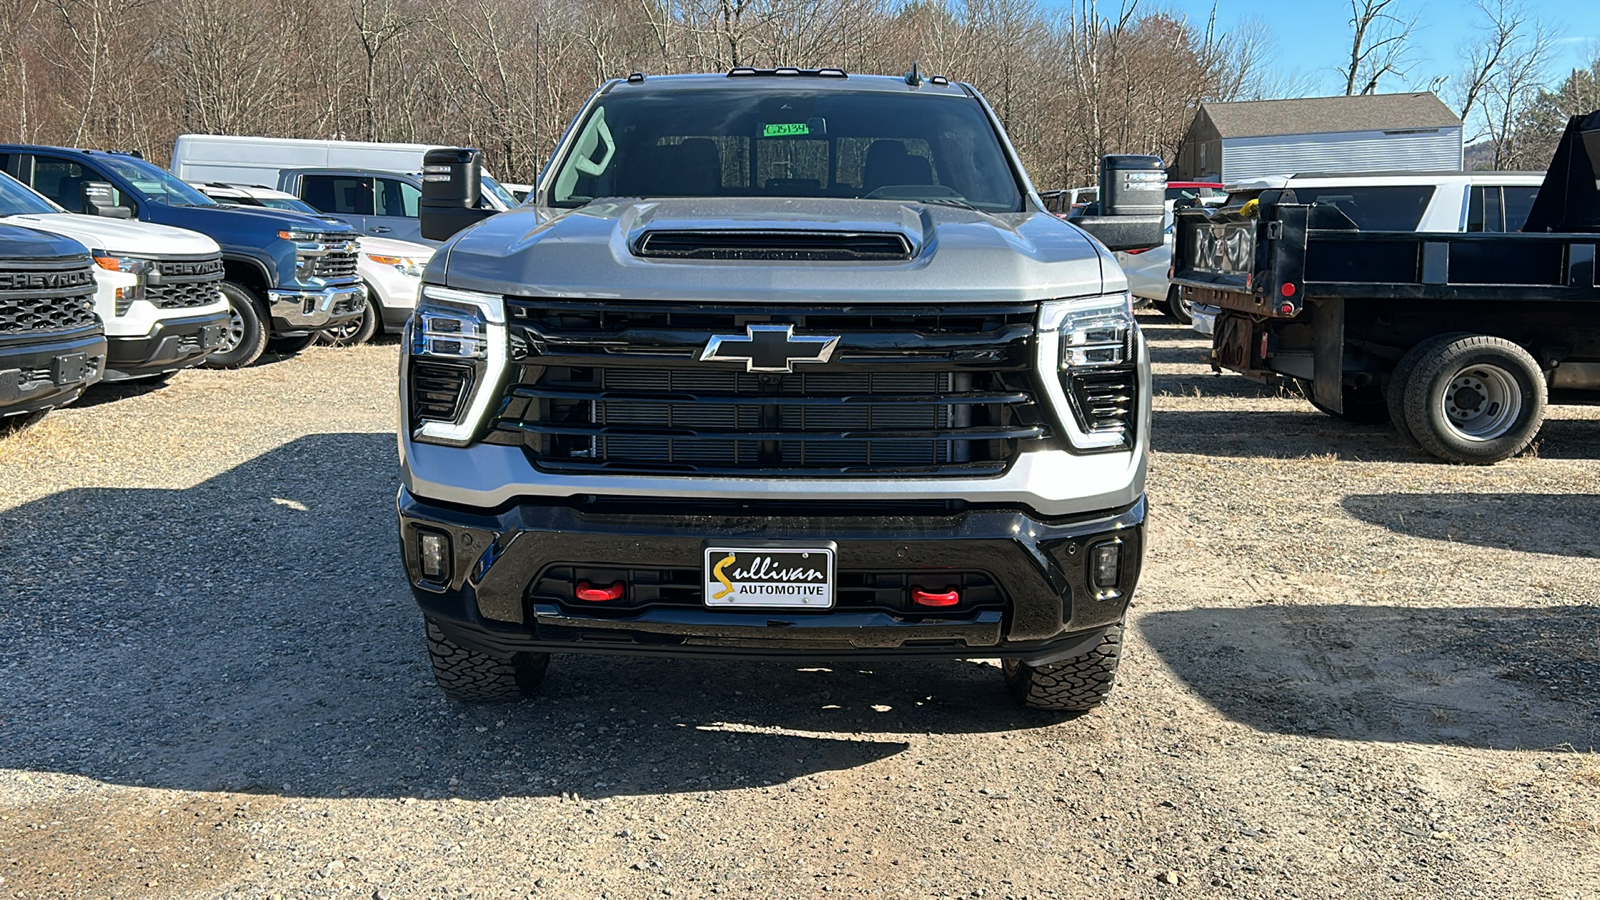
[
  {"x": 345, "y": 195},
  {"x": 62, "y": 181},
  {"x": 1474, "y": 209},
  {"x": 1518, "y": 203},
  {"x": 397, "y": 198}
]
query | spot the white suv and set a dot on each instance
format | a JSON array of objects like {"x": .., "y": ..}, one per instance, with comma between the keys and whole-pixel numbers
[
  {"x": 1451, "y": 202},
  {"x": 391, "y": 269},
  {"x": 157, "y": 288}
]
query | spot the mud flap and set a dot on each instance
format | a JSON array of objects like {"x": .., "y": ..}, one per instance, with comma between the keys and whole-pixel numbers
[{"x": 1327, "y": 326}]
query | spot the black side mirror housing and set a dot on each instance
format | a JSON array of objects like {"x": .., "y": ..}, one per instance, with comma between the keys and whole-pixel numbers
[
  {"x": 99, "y": 199},
  {"x": 452, "y": 188},
  {"x": 1132, "y": 203}
]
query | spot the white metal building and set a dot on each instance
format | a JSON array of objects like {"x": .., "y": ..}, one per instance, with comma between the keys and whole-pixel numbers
[{"x": 1381, "y": 132}]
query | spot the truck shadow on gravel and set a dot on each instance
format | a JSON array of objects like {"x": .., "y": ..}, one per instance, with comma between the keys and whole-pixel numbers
[
  {"x": 1289, "y": 434},
  {"x": 1495, "y": 678},
  {"x": 254, "y": 633},
  {"x": 1560, "y": 524}
]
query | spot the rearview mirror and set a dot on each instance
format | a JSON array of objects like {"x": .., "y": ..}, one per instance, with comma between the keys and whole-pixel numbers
[
  {"x": 1132, "y": 204},
  {"x": 452, "y": 185},
  {"x": 99, "y": 199}
]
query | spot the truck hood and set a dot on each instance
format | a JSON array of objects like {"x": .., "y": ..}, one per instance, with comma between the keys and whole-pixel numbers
[
  {"x": 121, "y": 238},
  {"x": 957, "y": 255},
  {"x": 17, "y": 242},
  {"x": 270, "y": 221},
  {"x": 391, "y": 247}
]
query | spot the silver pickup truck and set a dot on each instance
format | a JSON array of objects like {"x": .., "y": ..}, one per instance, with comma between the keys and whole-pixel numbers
[{"x": 777, "y": 364}]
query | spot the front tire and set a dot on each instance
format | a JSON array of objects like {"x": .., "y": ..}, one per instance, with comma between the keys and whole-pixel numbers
[
  {"x": 246, "y": 337},
  {"x": 1076, "y": 684},
  {"x": 1475, "y": 400},
  {"x": 289, "y": 346},
  {"x": 1178, "y": 308},
  {"x": 357, "y": 332},
  {"x": 473, "y": 677}
]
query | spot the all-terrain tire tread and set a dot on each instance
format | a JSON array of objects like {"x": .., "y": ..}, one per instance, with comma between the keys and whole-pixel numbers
[
  {"x": 1394, "y": 396},
  {"x": 473, "y": 677},
  {"x": 1077, "y": 684}
]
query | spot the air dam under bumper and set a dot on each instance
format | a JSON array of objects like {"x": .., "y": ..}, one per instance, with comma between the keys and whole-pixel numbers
[
  {"x": 171, "y": 345},
  {"x": 38, "y": 372},
  {"x": 1039, "y": 566},
  {"x": 301, "y": 312}
]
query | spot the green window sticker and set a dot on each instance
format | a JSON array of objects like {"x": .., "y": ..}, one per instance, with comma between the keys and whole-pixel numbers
[{"x": 786, "y": 130}]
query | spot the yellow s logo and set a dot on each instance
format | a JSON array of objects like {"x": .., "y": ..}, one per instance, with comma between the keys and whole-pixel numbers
[{"x": 727, "y": 586}]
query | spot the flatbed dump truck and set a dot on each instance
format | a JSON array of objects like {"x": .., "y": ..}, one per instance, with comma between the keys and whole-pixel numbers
[{"x": 1459, "y": 340}]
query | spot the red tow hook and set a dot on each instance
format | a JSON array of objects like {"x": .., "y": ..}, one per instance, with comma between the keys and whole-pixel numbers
[
  {"x": 920, "y": 597},
  {"x": 587, "y": 591}
]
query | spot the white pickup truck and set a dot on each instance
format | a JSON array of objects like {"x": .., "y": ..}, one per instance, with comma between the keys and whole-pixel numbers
[
  {"x": 157, "y": 288},
  {"x": 1459, "y": 202}
]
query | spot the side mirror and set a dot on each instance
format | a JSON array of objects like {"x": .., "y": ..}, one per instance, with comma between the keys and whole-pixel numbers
[
  {"x": 1132, "y": 204},
  {"x": 452, "y": 188},
  {"x": 99, "y": 199}
]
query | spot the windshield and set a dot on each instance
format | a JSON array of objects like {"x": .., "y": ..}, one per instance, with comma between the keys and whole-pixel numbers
[
  {"x": 156, "y": 185},
  {"x": 289, "y": 203},
  {"x": 500, "y": 192},
  {"x": 17, "y": 200},
  {"x": 796, "y": 143}
]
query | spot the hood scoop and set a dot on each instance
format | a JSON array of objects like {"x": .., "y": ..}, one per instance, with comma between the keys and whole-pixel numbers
[{"x": 774, "y": 245}]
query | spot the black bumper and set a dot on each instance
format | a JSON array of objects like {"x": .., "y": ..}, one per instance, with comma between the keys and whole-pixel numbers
[
  {"x": 39, "y": 372},
  {"x": 503, "y": 593},
  {"x": 171, "y": 345}
]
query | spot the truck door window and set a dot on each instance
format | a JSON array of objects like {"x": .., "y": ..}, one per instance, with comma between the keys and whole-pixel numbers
[
  {"x": 1474, "y": 209},
  {"x": 1493, "y": 217},
  {"x": 344, "y": 195},
  {"x": 397, "y": 198},
  {"x": 1377, "y": 208},
  {"x": 62, "y": 180},
  {"x": 1518, "y": 203}
]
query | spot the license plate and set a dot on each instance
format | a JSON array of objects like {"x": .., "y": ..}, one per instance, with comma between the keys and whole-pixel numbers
[
  {"x": 785, "y": 576},
  {"x": 70, "y": 369},
  {"x": 211, "y": 337}
]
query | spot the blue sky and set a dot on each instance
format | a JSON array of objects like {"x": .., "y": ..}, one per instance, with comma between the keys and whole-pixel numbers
[{"x": 1313, "y": 35}]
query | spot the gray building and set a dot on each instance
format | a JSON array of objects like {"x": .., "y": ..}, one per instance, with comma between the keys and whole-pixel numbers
[{"x": 1380, "y": 132}]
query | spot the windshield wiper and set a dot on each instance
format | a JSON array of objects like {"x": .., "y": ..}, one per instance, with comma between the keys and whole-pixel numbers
[{"x": 948, "y": 201}]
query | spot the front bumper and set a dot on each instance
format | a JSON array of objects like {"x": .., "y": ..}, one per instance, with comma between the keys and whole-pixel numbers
[
  {"x": 172, "y": 344},
  {"x": 48, "y": 371},
  {"x": 302, "y": 312},
  {"x": 497, "y": 598}
]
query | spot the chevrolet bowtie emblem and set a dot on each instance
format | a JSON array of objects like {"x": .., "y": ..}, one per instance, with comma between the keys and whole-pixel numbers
[{"x": 769, "y": 348}]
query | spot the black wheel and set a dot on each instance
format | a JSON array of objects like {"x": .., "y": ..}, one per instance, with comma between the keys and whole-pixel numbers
[
  {"x": 1177, "y": 307},
  {"x": 1364, "y": 405},
  {"x": 1394, "y": 392},
  {"x": 351, "y": 333},
  {"x": 473, "y": 677},
  {"x": 10, "y": 425},
  {"x": 289, "y": 346},
  {"x": 246, "y": 336},
  {"x": 1076, "y": 684},
  {"x": 1475, "y": 400}
]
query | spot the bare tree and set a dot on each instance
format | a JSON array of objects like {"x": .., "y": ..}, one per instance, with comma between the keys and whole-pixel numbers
[
  {"x": 1485, "y": 57},
  {"x": 1380, "y": 44},
  {"x": 1514, "y": 88}
]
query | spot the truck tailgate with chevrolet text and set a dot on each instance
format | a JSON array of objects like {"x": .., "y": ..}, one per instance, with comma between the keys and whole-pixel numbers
[
  {"x": 777, "y": 364},
  {"x": 1459, "y": 339}
]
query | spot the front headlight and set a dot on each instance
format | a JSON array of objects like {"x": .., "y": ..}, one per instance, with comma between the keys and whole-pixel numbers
[
  {"x": 300, "y": 236},
  {"x": 1090, "y": 344},
  {"x": 455, "y": 364},
  {"x": 408, "y": 266},
  {"x": 140, "y": 269}
]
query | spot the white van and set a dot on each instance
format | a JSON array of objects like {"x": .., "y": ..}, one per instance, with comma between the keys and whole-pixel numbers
[
  {"x": 231, "y": 159},
  {"x": 1449, "y": 202}
]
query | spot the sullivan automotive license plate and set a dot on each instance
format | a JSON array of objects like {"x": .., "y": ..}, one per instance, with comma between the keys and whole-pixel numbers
[{"x": 779, "y": 576}]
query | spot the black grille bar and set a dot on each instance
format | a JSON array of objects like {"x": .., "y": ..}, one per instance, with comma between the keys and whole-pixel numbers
[
  {"x": 620, "y": 387},
  {"x": 47, "y": 297}
]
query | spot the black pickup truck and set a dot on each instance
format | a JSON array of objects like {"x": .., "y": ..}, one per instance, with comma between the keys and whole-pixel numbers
[
  {"x": 1460, "y": 340},
  {"x": 52, "y": 345}
]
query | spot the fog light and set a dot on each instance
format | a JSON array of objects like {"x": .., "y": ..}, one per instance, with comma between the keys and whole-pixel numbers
[
  {"x": 1105, "y": 567},
  {"x": 434, "y": 555}
]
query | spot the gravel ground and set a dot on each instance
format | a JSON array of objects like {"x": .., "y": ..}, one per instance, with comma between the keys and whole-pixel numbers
[{"x": 1351, "y": 671}]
